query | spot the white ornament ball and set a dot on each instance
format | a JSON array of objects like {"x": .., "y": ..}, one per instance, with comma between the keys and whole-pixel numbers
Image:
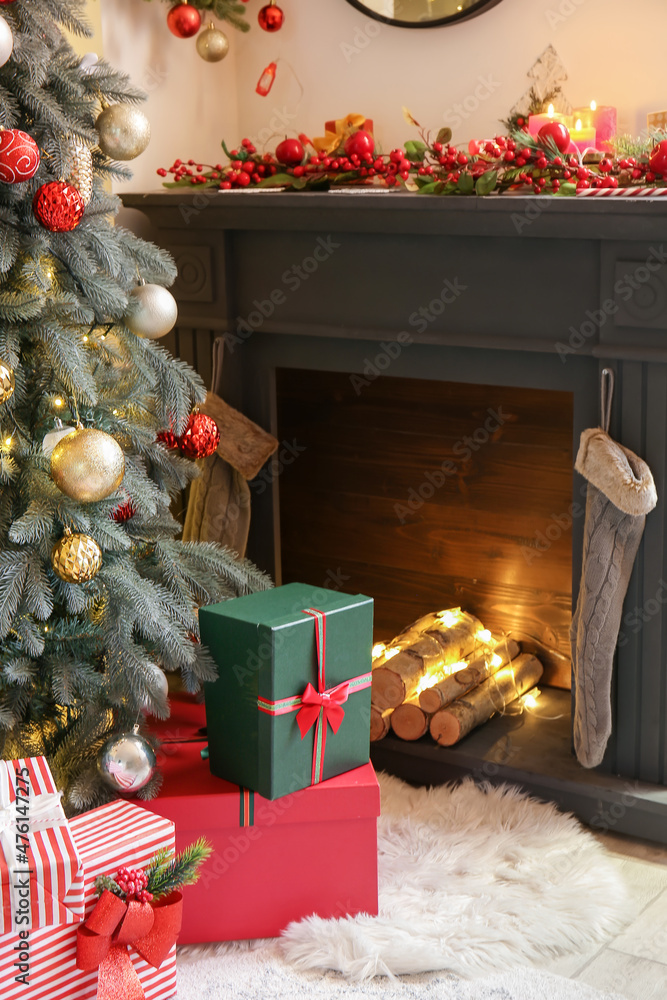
[
  {"x": 6, "y": 41},
  {"x": 88, "y": 63},
  {"x": 152, "y": 311},
  {"x": 53, "y": 437},
  {"x": 123, "y": 132},
  {"x": 159, "y": 683}
]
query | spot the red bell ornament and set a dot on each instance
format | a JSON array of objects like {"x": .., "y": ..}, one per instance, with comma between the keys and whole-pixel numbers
[
  {"x": 183, "y": 20},
  {"x": 58, "y": 206},
  {"x": 19, "y": 156},
  {"x": 271, "y": 17},
  {"x": 201, "y": 437}
]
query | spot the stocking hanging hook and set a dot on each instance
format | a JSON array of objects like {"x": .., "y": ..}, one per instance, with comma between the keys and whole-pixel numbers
[{"x": 606, "y": 398}]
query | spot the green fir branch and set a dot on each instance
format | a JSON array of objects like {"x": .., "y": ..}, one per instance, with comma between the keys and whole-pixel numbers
[{"x": 166, "y": 875}]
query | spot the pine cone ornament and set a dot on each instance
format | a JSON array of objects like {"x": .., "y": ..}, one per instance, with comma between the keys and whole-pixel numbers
[
  {"x": 81, "y": 168},
  {"x": 201, "y": 437}
]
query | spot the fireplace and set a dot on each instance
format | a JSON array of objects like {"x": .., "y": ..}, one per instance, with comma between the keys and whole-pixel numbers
[{"x": 428, "y": 366}]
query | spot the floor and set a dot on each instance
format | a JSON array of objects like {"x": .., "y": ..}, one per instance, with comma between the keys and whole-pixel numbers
[{"x": 634, "y": 964}]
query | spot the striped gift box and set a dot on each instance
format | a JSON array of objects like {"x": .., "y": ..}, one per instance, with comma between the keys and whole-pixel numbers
[
  {"x": 107, "y": 838},
  {"x": 36, "y": 846}
]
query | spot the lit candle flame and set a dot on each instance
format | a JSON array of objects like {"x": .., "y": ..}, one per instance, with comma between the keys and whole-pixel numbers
[
  {"x": 594, "y": 106},
  {"x": 577, "y": 127},
  {"x": 550, "y": 112}
]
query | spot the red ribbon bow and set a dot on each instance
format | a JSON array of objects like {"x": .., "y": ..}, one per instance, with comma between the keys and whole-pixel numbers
[
  {"x": 329, "y": 702},
  {"x": 103, "y": 940}
]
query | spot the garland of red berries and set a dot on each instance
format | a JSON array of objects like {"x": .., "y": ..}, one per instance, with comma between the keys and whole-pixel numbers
[{"x": 547, "y": 164}]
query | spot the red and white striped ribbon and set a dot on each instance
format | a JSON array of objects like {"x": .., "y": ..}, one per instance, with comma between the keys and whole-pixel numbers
[{"x": 631, "y": 192}]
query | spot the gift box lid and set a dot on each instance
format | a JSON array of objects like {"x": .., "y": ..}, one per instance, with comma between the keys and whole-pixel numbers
[
  {"x": 190, "y": 792},
  {"x": 284, "y": 606},
  {"x": 101, "y": 834}
]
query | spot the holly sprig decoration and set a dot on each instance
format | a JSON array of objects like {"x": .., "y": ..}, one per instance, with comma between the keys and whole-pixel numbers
[
  {"x": 225, "y": 10},
  {"x": 165, "y": 874}
]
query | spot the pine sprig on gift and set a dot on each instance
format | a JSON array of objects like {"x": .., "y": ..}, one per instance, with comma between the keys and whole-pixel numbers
[{"x": 168, "y": 874}]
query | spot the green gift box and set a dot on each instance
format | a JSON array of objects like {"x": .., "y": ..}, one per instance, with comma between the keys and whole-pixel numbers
[{"x": 291, "y": 705}]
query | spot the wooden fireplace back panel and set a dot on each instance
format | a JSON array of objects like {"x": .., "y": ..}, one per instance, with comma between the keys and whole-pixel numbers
[{"x": 366, "y": 506}]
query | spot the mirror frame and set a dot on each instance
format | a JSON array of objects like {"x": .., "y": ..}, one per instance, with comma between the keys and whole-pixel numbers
[{"x": 464, "y": 15}]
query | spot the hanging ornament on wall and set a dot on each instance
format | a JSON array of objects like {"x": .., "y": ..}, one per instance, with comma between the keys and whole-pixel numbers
[
  {"x": 6, "y": 41},
  {"x": 271, "y": 17},
  {"x": 151, "y": 312},
  {"x": 201, "y": 437},
  {"x": 127, "y": 762},
  {"x": 7, "y": 383},
  {"x": 123, "y": 131},
  {"x": 212, "y": 44},
  {"x": 53, "y": 437},
  {"x": 266, "y": 80},
  {"x": 19, "y": 156},
  {"x": 87, "y": 465},
  {"x": 184, "y": 20},
  {"x": 58, "y": 207},
  {"x": 76, "y": 558},
  {"x": 81, "y": 168}
]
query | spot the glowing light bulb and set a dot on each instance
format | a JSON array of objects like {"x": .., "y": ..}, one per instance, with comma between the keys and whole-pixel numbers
[
  {"x": 378, "y": 648},
  {"x": 391, "y": 652},
  {"x": 85, "y": 338},
  {"x": 8, "y": 442},
  {"x": 115, "y": 413},
  {"x": 484, "y": 635},
  {"x": 496, "y": 660},
  {"x": 450, "y": 618},
  {"x": 58, "y": 402}
]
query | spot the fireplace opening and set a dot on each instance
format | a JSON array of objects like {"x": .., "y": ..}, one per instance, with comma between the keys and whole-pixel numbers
[{"x": 430, "y": 495}]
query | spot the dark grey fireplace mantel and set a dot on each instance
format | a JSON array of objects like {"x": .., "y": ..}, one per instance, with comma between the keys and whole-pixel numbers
[{"x": 540, "y": 292}]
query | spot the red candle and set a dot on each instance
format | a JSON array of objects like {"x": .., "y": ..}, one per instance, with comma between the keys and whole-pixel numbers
[{"x": 603, "y": 119}]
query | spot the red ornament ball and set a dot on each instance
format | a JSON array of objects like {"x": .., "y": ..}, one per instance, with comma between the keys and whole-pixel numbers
[
  {"x": 19, "y": 156},
  {"x": 360, "y": 143},
  {"x": 290, "y": 152},
  {"x": 124, "y": 512},
  {"x": 58, "y": 206},
  {"x": 658, "y": 158},
  {"x": 271, "y": 17},
  {"x": 201, "y": 437},
  {"x": 558, "y": 132},
  {"x": 168, "y": 439},
  {"x": 183, "y": 20}
]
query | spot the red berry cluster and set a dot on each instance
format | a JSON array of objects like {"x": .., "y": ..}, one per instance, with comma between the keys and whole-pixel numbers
[{"x": 133, "y": 882}]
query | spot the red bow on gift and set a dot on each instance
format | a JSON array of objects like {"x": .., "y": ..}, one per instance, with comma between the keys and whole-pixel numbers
[
  {"x": 103, "y": 940},
  {"x": 329, "y": 702}
]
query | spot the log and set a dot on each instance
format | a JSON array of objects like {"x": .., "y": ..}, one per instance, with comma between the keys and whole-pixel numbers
[
  {"x": 451, "y": 724},
  {"x": 409, "y": 721},
  {"x": 396, "y": 676},
  {"x": 455, "y": 685},
  {"x": 379, "y": 723}
]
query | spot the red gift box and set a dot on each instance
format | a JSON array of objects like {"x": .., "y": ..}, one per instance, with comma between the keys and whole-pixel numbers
[
  {"x": 106, "y": 838},
  {"x": 311, "y": 852}
]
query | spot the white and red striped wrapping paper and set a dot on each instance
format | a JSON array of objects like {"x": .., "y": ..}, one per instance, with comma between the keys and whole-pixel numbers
[
  {"x": 56, "y": 879},
  {"x": 107, "y": 838}
]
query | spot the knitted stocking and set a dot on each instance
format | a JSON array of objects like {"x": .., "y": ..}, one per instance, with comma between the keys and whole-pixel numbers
[{"x": 621, "y": 492}]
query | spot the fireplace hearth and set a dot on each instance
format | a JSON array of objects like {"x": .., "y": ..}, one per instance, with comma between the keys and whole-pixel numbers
[{"x": 377, "y": 377}]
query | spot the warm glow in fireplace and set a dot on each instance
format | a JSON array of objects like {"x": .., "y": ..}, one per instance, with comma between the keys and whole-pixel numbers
[{"x": 434, "y": 677}]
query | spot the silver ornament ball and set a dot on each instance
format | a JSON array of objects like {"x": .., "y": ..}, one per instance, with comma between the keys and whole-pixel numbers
[
  {"x": 123, "y": 132},
  {"x": 6, "y": 41},
  {"x": 212, "y": 44},
  {"x": 126, "y": 762},
  {"x": 151, "y": 312}
]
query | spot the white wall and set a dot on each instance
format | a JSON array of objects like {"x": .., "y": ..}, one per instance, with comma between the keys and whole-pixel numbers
[
  {"x": 613, "y": 51},
  {"x": 191, "y": 103}
]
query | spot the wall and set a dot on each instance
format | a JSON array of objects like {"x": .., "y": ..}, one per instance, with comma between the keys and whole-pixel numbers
[
  {"x": 94, "y": 44},
  {"x": 191, "y": 104},
  {"x": 349, "y": 62}
]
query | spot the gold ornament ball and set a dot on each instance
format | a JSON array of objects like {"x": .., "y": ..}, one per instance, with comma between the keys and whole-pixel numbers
[
  {"x": 76, "y": 558},
  {"x": 6, "y": 382},
  {"x": 123, "y": 132},
  {"x": 87, "y": 465},
  {"x": 212, "y": 44},
  {"x": 151, "y": 312}
]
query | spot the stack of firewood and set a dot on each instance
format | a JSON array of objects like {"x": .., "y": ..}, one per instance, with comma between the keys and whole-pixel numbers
[{"x": 446, "y": 674}]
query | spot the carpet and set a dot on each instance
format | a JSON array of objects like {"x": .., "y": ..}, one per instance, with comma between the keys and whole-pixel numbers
[{"x": 476, "y": 882}]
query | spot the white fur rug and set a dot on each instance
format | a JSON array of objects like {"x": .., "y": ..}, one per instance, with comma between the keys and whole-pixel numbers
[
  {"x": 473, "y": 879},
  {"x": 476, "y": 881}
]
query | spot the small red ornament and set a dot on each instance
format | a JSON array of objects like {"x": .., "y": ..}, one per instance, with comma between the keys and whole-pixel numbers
[
  {"x": 558, "y": 132},
  {"x": 289, "y": 152},
  {"x": 168, "y": 439},
  {"x": 58, "y": 207},
  {"x": 183, "y": 20},
  {"x": 201, "y": 437},
  {"x": 658, "y": 158},
  {"x": 271, "y": 17},
  {"x": 266, "y": 80},
  {"x": 19, "y": 156},
  {"x": 123, "y": 512},
  {"x": 359, "y": 143}
]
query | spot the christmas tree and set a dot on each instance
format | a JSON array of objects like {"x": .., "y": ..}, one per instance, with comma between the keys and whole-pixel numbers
[{"x": 97, "y": 597}]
